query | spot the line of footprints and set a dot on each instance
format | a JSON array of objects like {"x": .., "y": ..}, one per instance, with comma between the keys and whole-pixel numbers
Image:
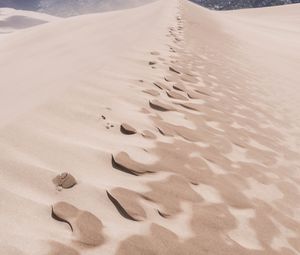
[{"x": 87, "y": 229}]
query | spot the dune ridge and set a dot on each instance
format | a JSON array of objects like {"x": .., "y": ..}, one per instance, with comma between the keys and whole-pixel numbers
[
  {"x": 12, "y": 20},
  {"x": 177, "y": 124}
]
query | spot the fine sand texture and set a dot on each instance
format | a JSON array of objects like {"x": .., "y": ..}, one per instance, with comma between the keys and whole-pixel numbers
[{"x": 165, "y": 129}]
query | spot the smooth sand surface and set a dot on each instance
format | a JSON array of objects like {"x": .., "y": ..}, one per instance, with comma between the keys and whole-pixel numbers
[{"x": 163, "y": 129}]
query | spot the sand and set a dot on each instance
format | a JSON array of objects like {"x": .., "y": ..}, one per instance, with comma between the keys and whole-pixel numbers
[{"x": 163, "y": 129}]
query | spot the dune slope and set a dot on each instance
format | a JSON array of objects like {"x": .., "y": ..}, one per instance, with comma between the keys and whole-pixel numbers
[{"x": 163, "y": 129}]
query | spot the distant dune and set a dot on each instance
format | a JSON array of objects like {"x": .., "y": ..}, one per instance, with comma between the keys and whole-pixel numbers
[
  {"x": 12, "y": 20},
  {"x": 239, "y": 4},
  {"x": 164, "y": 129},
  {"x": 71, "y": 7}
]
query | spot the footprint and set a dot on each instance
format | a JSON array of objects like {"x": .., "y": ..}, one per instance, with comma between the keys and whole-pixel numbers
[
  {"x": 165, "y": 128},
  {"x": 148, "y": 134},
  {"x": 151, "y": 92},
  {"x": 123, "y": 162},
  {"x": 145, "y": 111},
  {"x": 170, "y": 79},
  {"x": 157, "y": 105},
  {"x": 195, "y": 95},
  {"x": 109, "y": 125},
  {"x": 127, "y": 129},
  {"x": 175, "y": 95},
  {"x": 65, "y": 181},
  {"x": 179, "y": 87},
  {"x": 173, "y": 69},
  {"x": 203, "y": 92},
  {"x": 126, "y": 202},
  {"x": 172, "y": 50},
  {"x": 86, "y": 227},
  {"x": 188, "y": 78},
  {"x": 151, "y": 63},
  {"x": 160, "y": 85},
  {"x": 58, "y": 249},
  {"x": 154, "y": 53},
  {"x": 10, "y": 250},
  {"x": 192, "y": 106}
]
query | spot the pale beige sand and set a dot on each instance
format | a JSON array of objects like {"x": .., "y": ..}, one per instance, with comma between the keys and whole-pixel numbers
[{"x": 163, "y": 129}]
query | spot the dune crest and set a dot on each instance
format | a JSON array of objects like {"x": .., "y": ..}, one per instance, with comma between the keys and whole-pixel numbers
[{"x": 179, "y": 126}]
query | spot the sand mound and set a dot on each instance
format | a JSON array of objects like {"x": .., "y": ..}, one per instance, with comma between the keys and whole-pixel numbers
[{"x": 65, "y": 180}]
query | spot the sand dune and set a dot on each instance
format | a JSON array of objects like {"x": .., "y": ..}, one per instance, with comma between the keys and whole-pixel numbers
[
  {"x": 12, "y": 20},
  {"x": 163, "y": 129}
]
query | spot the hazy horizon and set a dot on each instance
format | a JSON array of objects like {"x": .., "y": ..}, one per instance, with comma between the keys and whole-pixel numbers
[{"x": 70, "y": 7}]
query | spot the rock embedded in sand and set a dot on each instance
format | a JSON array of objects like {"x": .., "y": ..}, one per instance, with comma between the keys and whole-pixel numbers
[
  {"x": 127, "y": 129},
  {"x": 86, "y": 227},
  {"x": 65, "y": 180}
]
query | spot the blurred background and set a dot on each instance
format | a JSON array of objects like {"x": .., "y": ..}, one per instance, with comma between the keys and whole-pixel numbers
[{"x": 67, "y": 8}]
